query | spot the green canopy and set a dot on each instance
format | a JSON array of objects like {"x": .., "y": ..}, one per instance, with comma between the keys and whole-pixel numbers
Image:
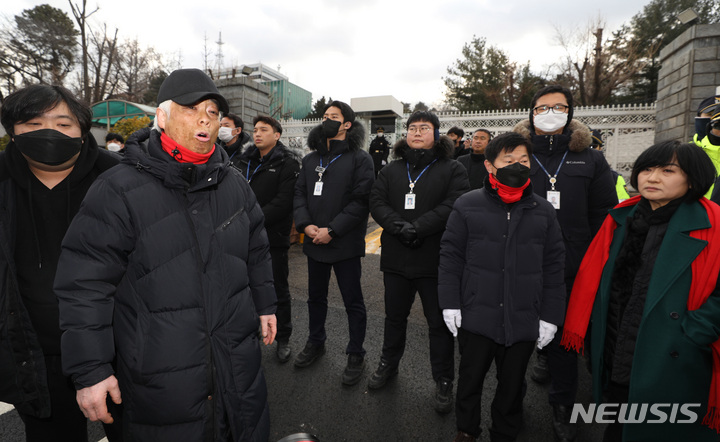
[{"x": 106, "y": 113}]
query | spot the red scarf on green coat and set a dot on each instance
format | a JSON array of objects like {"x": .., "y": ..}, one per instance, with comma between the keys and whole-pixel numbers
[{"x": 705, "y": 268}]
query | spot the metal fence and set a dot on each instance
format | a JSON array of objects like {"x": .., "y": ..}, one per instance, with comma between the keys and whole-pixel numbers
[{"x": 627, "y": 130}]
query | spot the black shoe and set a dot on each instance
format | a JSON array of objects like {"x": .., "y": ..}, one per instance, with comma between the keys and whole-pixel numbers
[
  {"x": 354, "y": 369},
  {"x": 540, "y": 372},
  {"x": 564, "y": 430},
  {"x": 381, "y": 375},
  {"x": 283, "y": 351},
  {"x": 309, "y": 354},
  {"x": 443, "y": 396},
  {"x": 464, "y": 437}
]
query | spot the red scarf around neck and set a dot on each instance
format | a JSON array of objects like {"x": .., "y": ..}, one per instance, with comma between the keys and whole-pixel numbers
[
  {"x": 183, "y": 154},
  {"x": 704, "y": 268},
  {"x": 508, "y": 194}
]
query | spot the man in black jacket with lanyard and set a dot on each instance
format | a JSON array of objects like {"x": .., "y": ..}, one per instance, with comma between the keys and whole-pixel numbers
[
  {"x": 577, "y": 181},
  {"x": 271, "y": 170},
  {"x": 331, "y": 208},
  {"x": 412, "y": 200}
]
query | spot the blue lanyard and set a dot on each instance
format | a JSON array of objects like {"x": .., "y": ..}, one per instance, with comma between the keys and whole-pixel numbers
[
  {"x": 250, "y": 177},
  {"x": 553, "y": 178},
  {"x": 321, "y": 170},
  {"x": 412, "y": 183}
]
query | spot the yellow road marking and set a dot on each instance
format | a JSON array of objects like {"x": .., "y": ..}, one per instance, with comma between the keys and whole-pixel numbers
[{"x": 372, "y": 241}]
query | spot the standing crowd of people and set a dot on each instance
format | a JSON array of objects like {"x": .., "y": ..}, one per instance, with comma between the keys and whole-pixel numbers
[{"x": 139, "y": 281}]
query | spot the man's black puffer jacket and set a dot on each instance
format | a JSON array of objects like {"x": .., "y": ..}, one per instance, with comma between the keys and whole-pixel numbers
[
  {"x": 437, "y": 189},
  {"x": 166, "y": 266}
]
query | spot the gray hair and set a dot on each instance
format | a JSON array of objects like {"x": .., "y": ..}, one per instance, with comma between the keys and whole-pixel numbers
[{"x": 165, "y": 107}]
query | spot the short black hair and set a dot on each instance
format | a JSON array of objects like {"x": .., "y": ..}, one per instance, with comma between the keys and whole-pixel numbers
[
  {"x": 506, "y": 142},
  {"x": 490, "y": 136},
  {"x": 345, "y": 109},
  {"x": 114, "y": 137},
  {"x": 237, "y": 121},
  {"x": 32, "y": 101},
  {"x": 270, "y": 121},
  {"x": 457, "y": 131},
  {"x": 551, "y": 89},
  {"x": 691, "y": 158},
  {"x": 424, "y": 116}
]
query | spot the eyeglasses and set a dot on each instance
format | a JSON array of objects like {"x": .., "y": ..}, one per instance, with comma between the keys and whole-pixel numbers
[
  {"x": 422, "y": 129},
  {"x": 557, "y": 109}
]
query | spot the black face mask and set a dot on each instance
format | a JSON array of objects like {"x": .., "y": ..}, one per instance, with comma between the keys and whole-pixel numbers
[
  {"x": 514, "y": 175},
  {"x": 414, "y": 156},
  {"x": 48, "y": 146},
  {"x": 330, "y": 128},
  {"x": 713, "y": 139},
  {"x": 701, "y": 127}
]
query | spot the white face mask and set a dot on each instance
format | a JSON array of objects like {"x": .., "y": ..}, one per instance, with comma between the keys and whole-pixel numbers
[
  {"x": 113, "y": 147},
  {"x": 225, "y": 134},
  {"x": 550, "y": 122}
]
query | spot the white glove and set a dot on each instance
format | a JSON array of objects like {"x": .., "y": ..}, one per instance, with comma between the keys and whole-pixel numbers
[
  {"x": 547, "y": 333},
  {"x": 453, "y": 319},
  {"x": 383, "y": 162}
]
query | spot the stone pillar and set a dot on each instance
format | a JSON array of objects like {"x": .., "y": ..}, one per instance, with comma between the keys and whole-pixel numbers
[
  {"x": 690, "y": 73},
  {"x": 247, "y": 98}
]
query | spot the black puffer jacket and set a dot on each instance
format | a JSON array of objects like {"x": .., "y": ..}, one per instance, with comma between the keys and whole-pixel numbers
[
  {"x": 587, "y": 190},
  {"x": 273, "y": 181},
  {"x": 436, "y": 191},
  {"x": 343, "y": 205},
  {"x": 167, "y": 267},
  {"x": 502, "y": 265},
  {"x": 26, "y": 337}
]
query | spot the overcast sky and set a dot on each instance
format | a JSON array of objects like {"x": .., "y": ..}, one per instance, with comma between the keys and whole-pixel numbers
[{"x": 346, "y": 49}]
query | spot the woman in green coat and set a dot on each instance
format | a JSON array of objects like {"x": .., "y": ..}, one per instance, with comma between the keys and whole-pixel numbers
[{"x": 647, "y": 289}]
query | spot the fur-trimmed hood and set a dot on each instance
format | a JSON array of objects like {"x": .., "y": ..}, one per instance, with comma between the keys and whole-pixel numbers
[
  {"x": 355, "y": 137},
  {"x": 443, "y": 148},
  {"x": 580, "y": 134}
]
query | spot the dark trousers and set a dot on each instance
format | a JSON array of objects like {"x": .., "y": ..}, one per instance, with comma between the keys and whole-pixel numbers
[
  {"x": 476, "y": 354},
  {"x": 66, "y": 422},
  {"x": 283, "y": 314},
  {"x": 562, "y": 364},
  {"x": 615, "y": 394},
  {"x": 348, "y": 274},
  {"x": 399, "y": 298}
]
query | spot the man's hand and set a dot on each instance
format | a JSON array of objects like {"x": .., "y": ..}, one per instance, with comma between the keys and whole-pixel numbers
[
  {"x": 268, "y": 324},
  {"x": 311, "y": 231},
  {"x": 92, "y": 399},
  {"x": 322, "y": 237}
]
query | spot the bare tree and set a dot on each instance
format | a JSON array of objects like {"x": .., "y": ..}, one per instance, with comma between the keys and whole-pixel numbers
[
  {"x": 102, "y": 59},
  {"x": 597, "y": 68},
  {"x": 136, "y": 67},
  {"x": 81, "y": 15}
]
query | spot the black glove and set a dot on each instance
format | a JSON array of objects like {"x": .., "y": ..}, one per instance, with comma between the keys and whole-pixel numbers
[
  {"x": 407, "y": 234},
  {"x": 396, "y": 228}
]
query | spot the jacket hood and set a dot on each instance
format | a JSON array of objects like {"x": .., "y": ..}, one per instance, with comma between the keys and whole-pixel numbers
[
  {"x": 580, "y": 134},
  {"x": 143, "y": 151},
  {"x": 443, "y": 148},
  {"x": 355, "y": 137}
]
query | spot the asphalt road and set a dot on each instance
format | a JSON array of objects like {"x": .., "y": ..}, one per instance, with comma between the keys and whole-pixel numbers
[{"x": 313, "y": 399}]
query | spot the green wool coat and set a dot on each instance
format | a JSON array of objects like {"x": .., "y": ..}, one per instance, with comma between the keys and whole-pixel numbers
[{"x": 673, "y": 360}]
